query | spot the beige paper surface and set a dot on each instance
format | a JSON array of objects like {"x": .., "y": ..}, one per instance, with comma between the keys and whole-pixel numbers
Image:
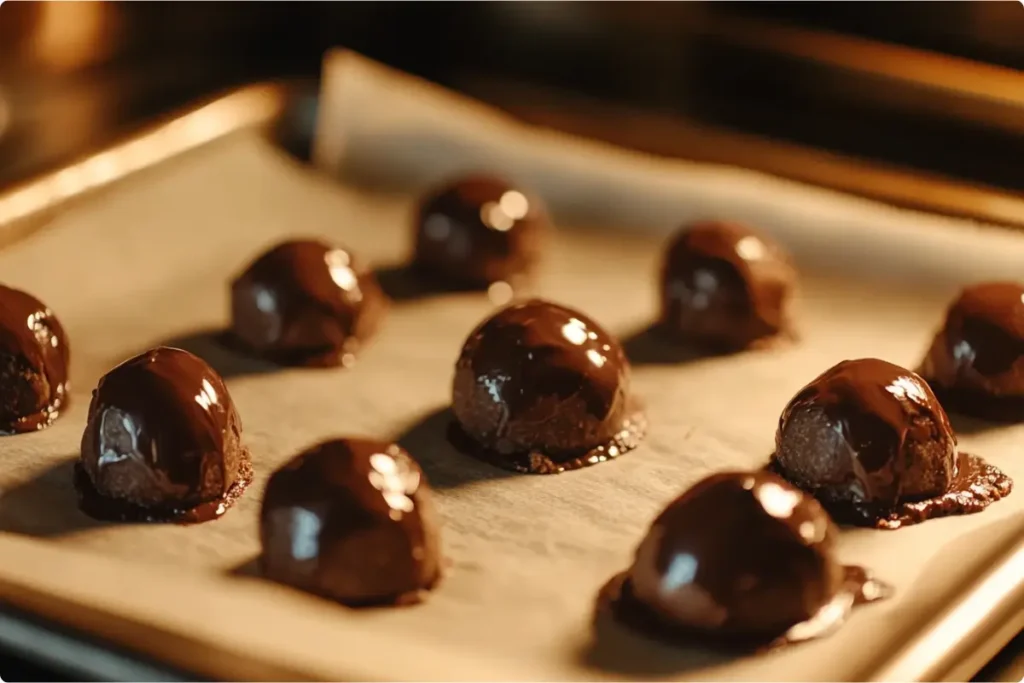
[
  {"x": 149, "y": 263},
  {"x": 386, "y": 127}
]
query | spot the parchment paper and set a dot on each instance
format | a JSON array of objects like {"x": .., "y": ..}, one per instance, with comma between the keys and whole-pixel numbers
[
  {"x": 380, "y": 126},
  {"x": 149, "y": 263}
]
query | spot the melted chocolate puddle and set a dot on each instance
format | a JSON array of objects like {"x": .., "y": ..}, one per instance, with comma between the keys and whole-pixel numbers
[
  {"x": 633, "y": 430},
  {"x": 977, "y": 485},
  {"x": 101, "y": 507},
  {"x": 859, "y": 587}
]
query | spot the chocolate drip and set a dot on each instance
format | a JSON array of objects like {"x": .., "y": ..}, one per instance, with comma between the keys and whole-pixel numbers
[
  {"x": 976, "y": 362},
  {"x": 352, "y": 520},
  {"x": 868, "y": 438},
  {"x": 542, "y": 388},
  {"x": 478, "y": 231},
  {"x": 726, "y": 286},
  {"x": 162, "y": 442},
  {"x": 305, "y": 302},
  {"x": 742, "y": 559}
]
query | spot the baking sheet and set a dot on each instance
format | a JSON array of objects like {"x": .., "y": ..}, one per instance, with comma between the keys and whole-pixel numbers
[{"x": 149, "y": 263}]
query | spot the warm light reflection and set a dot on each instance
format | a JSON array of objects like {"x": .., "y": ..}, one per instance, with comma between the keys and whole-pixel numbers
[
  {"x": 71, "y": 34},
  {"x": 596, "y": 358},
  {"x": 778, "y": 501},
  {"x": 575, "y": 331},
  {"x": 21, "y": 203},
  {"x": 499, "y": 293},
  {"x": 101, "y": 169},
  {"x": 339, "y": 265},
  {"x": 907, "y": 387},
  {"x": 829, "y": 617},
  {"x": 210, "y": 391},
  {"x": 973, "y": 614},
  {"x": 383, "y": 463},
  {"x": 750, "y": 248},
  {"x": 493, "y": 217},
  {"x": 207, "y": 396},
  {"x": 140, "y": 153},
  {"x": 514, "y": 204},
  {"x": 67, "y": 183},
  {"x": 246, "y": 107},
  {"x": 503, "y": 214},
  {"x": 808, "y": 531},
  {"x": 396, "y": 481},
  {"x": 5, "y": 113},
  {"x": 40, "y": 330}
]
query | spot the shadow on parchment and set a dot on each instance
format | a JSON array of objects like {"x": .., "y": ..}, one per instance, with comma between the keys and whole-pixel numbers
[
  {"x": 215, "y": 347},
  {"x": 973, "y": 412},
  {"x": 617, "y": 648},
  {"x": 965, "y": 424},
  {"x": 46, "y": 505},
  {"x": 445, "y": 466},
  {"x": 650, "y": 346},
  {"x": 250, "y": 568},
  {"x": 401, "y": 282}
]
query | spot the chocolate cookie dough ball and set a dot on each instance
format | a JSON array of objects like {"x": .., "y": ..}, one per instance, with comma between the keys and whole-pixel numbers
[
  {"x": 478, "y": 231},
  {"x": 867, "y": 431},
  {"x": 870, "y": 440},
  {"x": 725, "y": 286},
  {"x": 542, "y": 388},
  {"x": 305, "y": 302},
  {"x": 163, "y": 442},
  {"x": 34, "y": 359},
  {"x": 740, "y": 555},
  {"x": 351, "y": 520},
  {"x": 976, "y": 362}
]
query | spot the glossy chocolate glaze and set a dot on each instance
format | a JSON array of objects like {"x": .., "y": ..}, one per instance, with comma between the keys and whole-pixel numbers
[
  {"x": 162, "y": 443},
  {"x": 541, "y": 388},
  {"x": 477, "y": 231},
  {"x": 870, "y": 440},
  {"x": 305, "y": 302},
  {"x": 34, "y": 358},
  {"x": 725, "y": 286},
  {"x": 743, "y": 559},
  {"x": 351, "y": 520},
  {"x": 976, "y": 362}
]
